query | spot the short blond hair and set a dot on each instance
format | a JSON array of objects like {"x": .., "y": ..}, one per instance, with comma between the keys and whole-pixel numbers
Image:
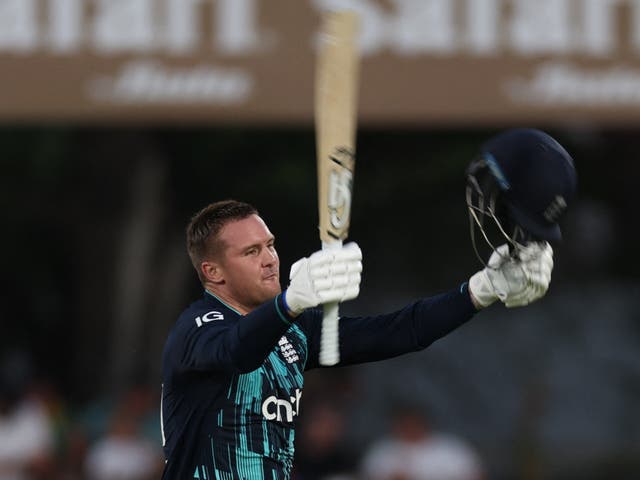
[{"x": 204, "y": 228}]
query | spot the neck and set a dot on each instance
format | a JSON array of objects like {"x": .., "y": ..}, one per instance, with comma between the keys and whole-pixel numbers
[{"x": 227, "y": 299}]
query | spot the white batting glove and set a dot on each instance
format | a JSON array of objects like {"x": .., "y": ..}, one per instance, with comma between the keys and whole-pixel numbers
[
  {"x": 326, "y": 276},
  {"x": 514, "y": 281}
]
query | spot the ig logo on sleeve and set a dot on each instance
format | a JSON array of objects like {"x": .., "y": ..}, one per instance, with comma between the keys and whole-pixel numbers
[{"x": 209, "y": 317}]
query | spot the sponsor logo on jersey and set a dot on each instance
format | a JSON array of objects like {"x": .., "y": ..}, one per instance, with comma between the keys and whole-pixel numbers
[
  {"x": 280, "y": 409},
  {"x": 287, "y": 350},
  {"x": 209, "y": 317}
]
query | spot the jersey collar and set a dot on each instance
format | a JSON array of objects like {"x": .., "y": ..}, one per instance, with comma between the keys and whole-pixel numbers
[{"x": 209, "y": 295}]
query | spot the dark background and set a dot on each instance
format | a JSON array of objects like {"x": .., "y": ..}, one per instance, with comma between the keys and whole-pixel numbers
[{"x": 94, "y": 272}]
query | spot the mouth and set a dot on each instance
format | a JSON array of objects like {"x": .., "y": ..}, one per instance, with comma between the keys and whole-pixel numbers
[{"x": 273, "y": 276}]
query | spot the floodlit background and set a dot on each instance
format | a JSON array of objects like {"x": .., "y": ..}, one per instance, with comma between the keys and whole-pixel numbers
[{"x": 111, "y": 138}]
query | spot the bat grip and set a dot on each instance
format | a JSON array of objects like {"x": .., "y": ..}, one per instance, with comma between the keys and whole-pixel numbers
[{"x": 330, "y": 335}]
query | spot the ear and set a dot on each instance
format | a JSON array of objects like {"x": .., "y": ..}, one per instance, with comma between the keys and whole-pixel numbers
[{"x": 212, "y": 271}]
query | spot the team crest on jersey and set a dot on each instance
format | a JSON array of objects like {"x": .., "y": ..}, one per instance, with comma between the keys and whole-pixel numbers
[{"x": 287, "y": 350}]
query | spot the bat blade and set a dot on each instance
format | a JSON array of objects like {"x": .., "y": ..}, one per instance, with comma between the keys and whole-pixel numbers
[{"x": 336, "y": 86}]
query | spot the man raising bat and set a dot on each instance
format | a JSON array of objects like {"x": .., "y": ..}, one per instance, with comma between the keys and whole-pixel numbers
[{"x": 233, "y": 364}]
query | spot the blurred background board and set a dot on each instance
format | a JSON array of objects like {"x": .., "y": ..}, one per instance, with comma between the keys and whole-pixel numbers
[{"x": 425, "y": 62}]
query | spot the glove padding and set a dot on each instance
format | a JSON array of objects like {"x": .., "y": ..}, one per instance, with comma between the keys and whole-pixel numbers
[
  {"x": 331, "y": 275},
  {"x": 515, "y": 281}
]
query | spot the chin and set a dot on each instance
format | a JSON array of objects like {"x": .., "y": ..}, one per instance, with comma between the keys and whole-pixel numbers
[
  {"x": 270, "y": 291},
  {"x": 276, "y": 290}
]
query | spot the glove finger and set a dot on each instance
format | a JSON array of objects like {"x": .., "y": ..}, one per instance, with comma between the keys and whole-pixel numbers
[
  {"x": 350, "y": 266},
  {"x": 530, "y": 251},
  {"x": 354, "y": 266},
  {"x": 350, "y": 292},
  {"x": 546, "y": 273},
  {"x": 548, "y": 249},
  {"x": 499, "y": 256},
  {"x": 544, "y": 277},
  {"x": 545, "y": 268},
  {"x": 547, "y": 257},
  {"x": 351, "y": 251},
  {"x": 326, "y": 270},
  {"x": 536, "y": 251},
  {"x": 524, "y": 254},
  {"x": 340, "y": 294},
  {"x": 516, "y": 274},
  {"x": 517, "y": 300},
  {"x": 330, "y": 283},
  {"x": 346, "y": 288},
  {"x": 337, "y": 268},
  {"x": 519, "y": 303},
  {"x": 525, "y": 297},
  {"x": 535, "y": 292},
  {"x": 514, "y": 303},
  {"x": 538, "y": 267},
  {"x": 334, "y": 294},
  {"x": 321, "y": 257},
  {"x": 540, "y": 253},
  {"x": 540, "y": 280},
  {"x": 318, "y": 272}
]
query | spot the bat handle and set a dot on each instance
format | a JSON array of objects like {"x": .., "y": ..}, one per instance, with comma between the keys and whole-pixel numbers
[{"x": 330, "y": 335}]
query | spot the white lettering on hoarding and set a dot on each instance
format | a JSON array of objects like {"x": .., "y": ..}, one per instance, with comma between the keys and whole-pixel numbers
[
  {"x": 406, "y": 27},
  {"x": 487, "y": 27},
  {"x": 599, "y": 27},
  {"x": 482, "y": 20},
  {"x": 18, "y": 25},
  {"x": 539, "y": 27},
  {"x": 183, "y": 32},
  {"x": 560, "y": 85},
  {"x": 423, "y": 25},
  {"x": 130, "y": 26},
  {"x": 152, "y": 82},
  {"x": 65, "y": 25},
  {"x": 635, "y": 25},
  {"x": 236, "y": 28},
  {"x": 124, "y": 26}
]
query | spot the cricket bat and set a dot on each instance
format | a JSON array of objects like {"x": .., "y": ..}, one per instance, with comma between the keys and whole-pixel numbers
[{"x": 336, "y": 86}]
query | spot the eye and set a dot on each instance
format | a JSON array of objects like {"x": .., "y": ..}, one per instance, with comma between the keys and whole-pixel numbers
[{"x": 251, "y": 251}]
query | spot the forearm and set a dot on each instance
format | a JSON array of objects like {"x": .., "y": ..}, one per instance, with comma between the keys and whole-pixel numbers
[
  {"x": 412, "y": 328},
  {"x": 439, "y": 315}
]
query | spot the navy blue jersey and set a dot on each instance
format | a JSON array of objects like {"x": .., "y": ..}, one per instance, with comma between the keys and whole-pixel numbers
[{"x": 232, "y": 384}]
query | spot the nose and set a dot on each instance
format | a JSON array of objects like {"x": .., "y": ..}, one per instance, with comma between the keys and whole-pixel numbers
[{"x": 270, "y": 257}]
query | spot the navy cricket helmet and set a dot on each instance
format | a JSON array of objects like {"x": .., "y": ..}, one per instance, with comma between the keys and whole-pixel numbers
[{"x": 524, "y": 180}]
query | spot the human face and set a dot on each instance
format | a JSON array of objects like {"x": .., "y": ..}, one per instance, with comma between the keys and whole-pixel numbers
[{"x": 249, "y": 264}]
